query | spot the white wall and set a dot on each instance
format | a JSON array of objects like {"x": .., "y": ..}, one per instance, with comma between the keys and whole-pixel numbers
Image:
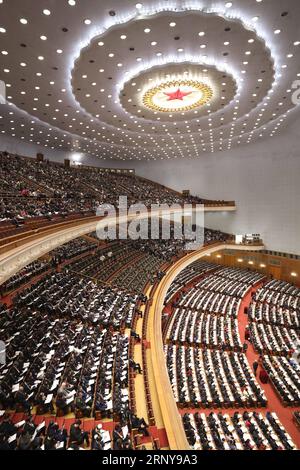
[
  {"x": 19, "y": 147},
  {"x": 263, "y": 178}
]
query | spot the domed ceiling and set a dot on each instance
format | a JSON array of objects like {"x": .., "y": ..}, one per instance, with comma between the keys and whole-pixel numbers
[{"x": 147, "y": 81}]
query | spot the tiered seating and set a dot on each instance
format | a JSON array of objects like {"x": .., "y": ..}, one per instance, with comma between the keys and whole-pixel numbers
[
  {"x": 271, "y": 339},
  {"x": 247, "y": 431},
  {"x": 285, "y": 376},
  {"x": 206, "y": 377},
  {"x": 71, "y": 297},
  {"x": 129, "y": 265},
  {"x": 268, "y": 313},
  {"x": 202, "y": 329},
  {"x": 220, "y": 292},
  {"x": 105, "y": 261},
  {"x": 20, "y": 432},
  {"x": 72, "y": 249},
  {"x": 32, "y": 189},
  {"x": 280, "y": 293},
  {"x": 136, "y": 276},
  {"x": 50, "y": 351},
  {"x": 192, "y": 271},
  {"x": 274, "y": 316},
  {"x": 24, "y": 276}
]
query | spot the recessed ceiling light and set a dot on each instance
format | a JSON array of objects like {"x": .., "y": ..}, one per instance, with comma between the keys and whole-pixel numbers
[
  {"x": 2, "y": 30},
  {"x": 72, "y": 3},
  {"x": 158, "y": 54},
  {"x": 23, "y": 64},
  {"x": 277, "y": 31},
  {"x": 172, "y": 24},
  {"x": 226, "y": 43},
  {"x": 202, "y": 33},
  {"x": 4, "y": 52},
  {"x": 153, "y": 43},
  {"x": 101, "y": 43},
  {"x": 203, "y": 46},
  {"x": 23, "y": 21},
  {"x": 87, "y": 21},
  {"x": 248, "y": 52},
  {"x": 47, "y": 12},
  {"x": 147, "y": 30},
  {"x": 43, "y": 38},
  {"x": 289, "y": 56},
  {"x": 138, "y": 59},
  {"x": 250, "y": 41},
  {"x": 111, "y": 54},
  {"x": 6, "y": 70},
  {"x": 255, "y": 18},
  {"x": 40, "y": 57},
  {"x": 296, "y": 43},
  {"x": 138, "y": 6},
  {"x": 228, "y": 4},
  {"x": 123, "y": 36},
  {"x": 59, "y": 51}
]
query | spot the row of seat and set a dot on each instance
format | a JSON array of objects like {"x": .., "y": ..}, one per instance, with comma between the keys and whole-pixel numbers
[
  {"x": 212, "y": 378},
  {"x": 247, "y": 431},
  {"x": 203, "y": 329}
]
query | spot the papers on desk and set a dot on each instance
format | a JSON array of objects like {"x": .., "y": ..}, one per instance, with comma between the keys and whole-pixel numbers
[
  {"x": 69, "y": 400},
  {"x": 125, "y": 431},
  {"x": 15, "y": 388},
  {"x": 20, "y": 424},
  {"x": 109, "y": 405},
  {"x": 54, "y": 385},
  {"x": 12, "y": 438},
  {"x": 48, "y": 398},
  {"x": 59, "y": 445},
  {"x": 2, "y": 412},
  {"x": 41, "y": 426}
]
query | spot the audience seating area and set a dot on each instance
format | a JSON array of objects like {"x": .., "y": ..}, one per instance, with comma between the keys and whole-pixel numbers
[
  {"x": 247, "y": 431},
  {"x": 274, "y": 316},
  {"x": 24, "y": 276},
  {"x": 203, "y": 377},
  {"x": 35, "y": 194}
]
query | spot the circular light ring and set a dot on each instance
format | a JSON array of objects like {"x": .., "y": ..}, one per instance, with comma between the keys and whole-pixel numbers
[
  {"x": 134, "y": 70},
  {"x": 203, "y": 91}
]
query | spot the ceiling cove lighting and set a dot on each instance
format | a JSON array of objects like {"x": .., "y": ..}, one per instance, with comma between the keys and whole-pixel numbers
[{"x": 188, "y": 6}]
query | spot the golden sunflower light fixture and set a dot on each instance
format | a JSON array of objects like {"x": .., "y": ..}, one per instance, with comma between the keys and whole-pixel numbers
[{"x": 177, "y": 96}]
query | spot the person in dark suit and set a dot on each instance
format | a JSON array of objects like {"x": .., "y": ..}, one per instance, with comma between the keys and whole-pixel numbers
[
  {"x": 20, "y": 398},
  {"x": 78, "y": 436},
  {"x": 255, "y": 367}
]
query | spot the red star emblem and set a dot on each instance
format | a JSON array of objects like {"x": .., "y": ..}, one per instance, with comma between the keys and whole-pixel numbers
[{"x": 177, "y": 95}]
